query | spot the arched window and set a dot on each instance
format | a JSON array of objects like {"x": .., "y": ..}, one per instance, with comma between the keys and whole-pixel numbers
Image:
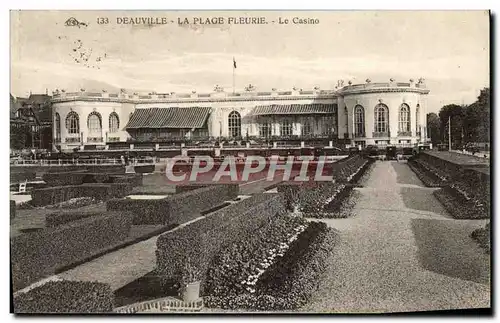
[
  {"x": 73, "y": 123},
  {"x": 114, "y": 122},
  {"x": 417, "y": 118},
  {"x": 234, "y": 122},
  {"x": 94, "y": 123},
  {"x": 286, "y": 128},
  {"x": 359, "y": 121},
  {"x": 404, "y": 118},
  {"x": 57, "y": 126},
  {"x": 381, "y": 118}
]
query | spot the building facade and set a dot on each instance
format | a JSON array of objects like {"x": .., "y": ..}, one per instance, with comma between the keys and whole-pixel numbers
[{"x": 363, "y": 114}]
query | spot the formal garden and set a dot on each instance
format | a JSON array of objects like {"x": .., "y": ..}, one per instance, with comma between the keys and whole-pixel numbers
[
  {"x": 213, "y": 247},
  {"x": 463, "y": 186}
]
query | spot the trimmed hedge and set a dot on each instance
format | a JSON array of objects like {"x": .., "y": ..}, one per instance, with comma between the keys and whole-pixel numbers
[
  {"x": 58, "y": 194},
  {"x": 63, "y": 179},
  {"x": 483, "y": 237},
  {"x": 66, "y": 297},
  {"x": 96, "y": 178},
  {"x": 202, "y": 240},
  {"x": 181, "y": 188},
  {"x": 17, "y": 176},
  {"x": 144, "y": 169},
  {"x": 458, "y": 207},
  {"x": 12, "y": 209},
  {"x": 176, "y": 209},
  {"x": 60, "y": 218},
  {"x": 108, "y": 169},
  {"x": 289, "y": 283},
  {"x": 134, "y": 179},
  {"x": 39, "y": 254}
]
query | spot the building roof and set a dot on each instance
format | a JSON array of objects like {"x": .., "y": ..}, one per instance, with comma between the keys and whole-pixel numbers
[
  {"x": 180, "y": 118},
  {"x": 278, "y": 109}
]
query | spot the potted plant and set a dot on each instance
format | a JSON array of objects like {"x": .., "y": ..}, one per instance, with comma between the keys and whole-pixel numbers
[{"x": 190, "y": 282}]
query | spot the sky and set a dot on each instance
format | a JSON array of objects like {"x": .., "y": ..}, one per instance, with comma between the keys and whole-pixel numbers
[{"x": 449, "y": 49}]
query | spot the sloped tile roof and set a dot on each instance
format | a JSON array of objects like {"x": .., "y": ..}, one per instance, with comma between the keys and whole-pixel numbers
[
  {"x": 314, "y": 108},
  {"x": 180, "y": 118}
]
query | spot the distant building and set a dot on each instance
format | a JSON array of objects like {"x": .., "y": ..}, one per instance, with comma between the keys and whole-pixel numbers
[
  {"x": 361, "y": 114},
  {"x": 31, "y": 122}
]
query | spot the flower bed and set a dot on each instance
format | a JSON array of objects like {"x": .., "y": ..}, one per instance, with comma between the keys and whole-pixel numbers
[
  {"x": 289, "y": 282},
  {"x": 483, "y": 237},
  {"x": 96, "y": 178},
  {"x": 428, "y": 178},
  {"x": 458, "y": 207},
  {"x": 181, "y": 188},
  {"x": 73, "y": 203},
  {"x": 66, "y": 297},
  {"x": 237, "y": 268},
  {"x": 64, "y": 179},
  {"x": 202, "y": 240},
  {"x": 39, "y": 254}
]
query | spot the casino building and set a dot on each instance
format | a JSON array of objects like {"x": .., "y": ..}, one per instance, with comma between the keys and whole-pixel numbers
[{"x": 356, "y": 114}]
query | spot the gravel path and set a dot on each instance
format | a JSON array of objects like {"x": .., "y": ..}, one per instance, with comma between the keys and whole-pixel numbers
[{"x": 377, "y": 268}]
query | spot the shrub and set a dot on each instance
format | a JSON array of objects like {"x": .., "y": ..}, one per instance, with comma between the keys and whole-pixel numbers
[
  {"x": 39, "y": 254},
  {"x": 60, "y": 218},
  {"x": 12, "y": 209},
  {"x": 66, "y": 297},
  {"x": 63, "y": 179},
  {"x": 202, "y": 240},
  {"x": 483, "y": 237}
]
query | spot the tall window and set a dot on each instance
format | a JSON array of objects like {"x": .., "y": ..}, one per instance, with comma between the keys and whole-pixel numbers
[
  {"x": 381, "y": 118},
  {"x": 286, "y": 128},
  {"x": 264, "y": 130},
  {"x": 359, "y": 121},
  {"x": 73, "y": 123},
  {"x": 307, "y": 128},
  {"x": 234, "y": 123},
  {"x": 417, "y": 118},
  {"x": 404, "y": 118},
  {"x": 58, "y": 127},
  {"x": 114, "y": 122},
  {"x": 328, "y": 126},
  {"x": 94, "y": 123}
]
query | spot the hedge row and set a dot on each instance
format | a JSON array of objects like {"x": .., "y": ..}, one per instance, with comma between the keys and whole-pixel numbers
[
  {"x": 58, "y": 194},
  {"x": 60, "y": 218},
  {"x": 202, "y": 240},
  {"x": 39, "y": 254},
  {"x": 429, "y": 179},
  {"x": 66, "y": 297},
  {"x": 12, "y": 209},
  {"x": 134, "y": 179},
  {"x": 21, "y": 176},
  {"x": 290, "y": 282},
  {"x": 64, "y": 179},
  {"x": 144, "y": 169},
  {"x": 181, "y": 188},
  {"x": 175, "y": 209}
]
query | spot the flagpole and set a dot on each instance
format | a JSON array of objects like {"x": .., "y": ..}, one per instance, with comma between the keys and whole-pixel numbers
[
  {"x": 233, "y": 78},
  {"x": 234, "y": 68}
]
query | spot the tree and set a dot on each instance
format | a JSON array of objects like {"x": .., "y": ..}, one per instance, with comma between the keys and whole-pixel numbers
[
  {"x": 433, "y": 128},
  {"x": 457, "y": 114},
  {"x": 477, "y": 119}
]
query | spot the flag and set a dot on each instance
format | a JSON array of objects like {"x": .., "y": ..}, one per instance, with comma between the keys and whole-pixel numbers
[{"x": 234, "y": 63}]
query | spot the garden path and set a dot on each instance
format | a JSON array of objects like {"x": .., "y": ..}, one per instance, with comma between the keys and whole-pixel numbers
[{"x": 402, "y": 252}]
